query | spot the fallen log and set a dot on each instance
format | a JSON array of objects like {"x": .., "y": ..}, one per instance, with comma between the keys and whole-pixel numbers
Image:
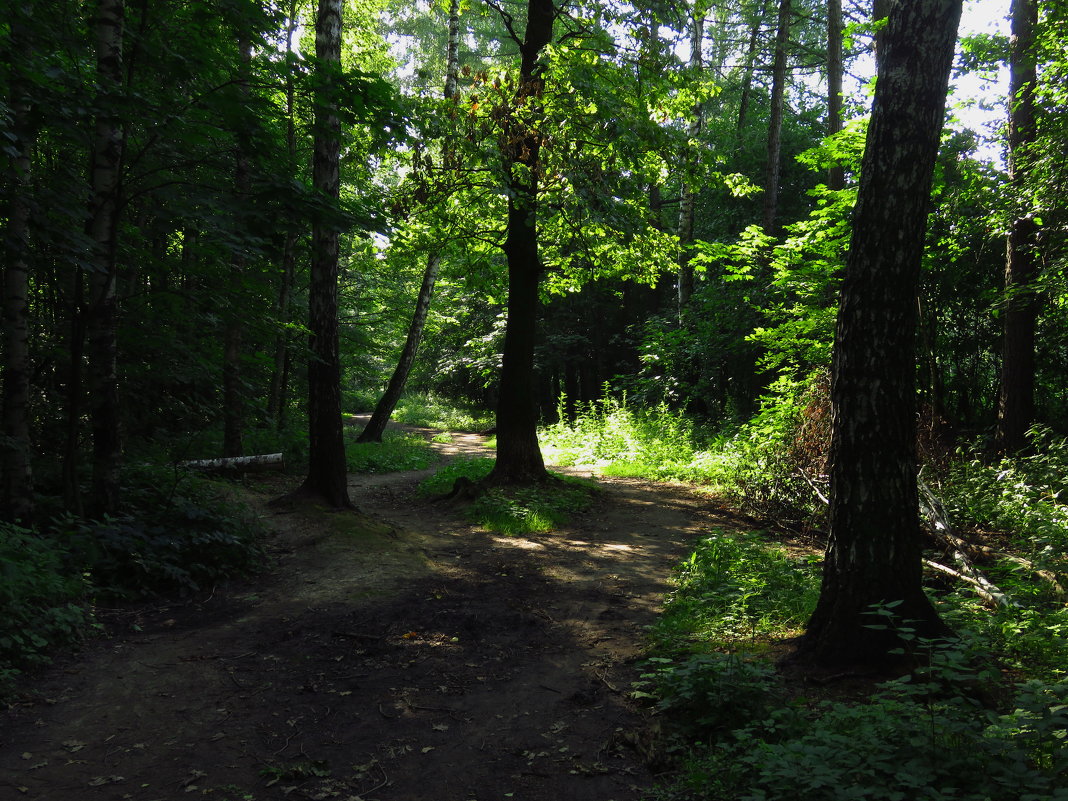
[
  {"x": 238, "y": 464},
  {"x": 940, "y": 527}
]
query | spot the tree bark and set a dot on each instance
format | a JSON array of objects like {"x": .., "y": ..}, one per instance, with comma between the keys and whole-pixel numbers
[
  {"x": 327, "y": 478},
  {"x": 778, "y": 102},
  {"x": 276, "y": 394},
  {"x": 835, "y": 175},
  {"x": 689, "y": 157},
  {"x": 102, "y": 322},
  {"x": 519, "y": 457},
  {"x": 16, "y": 492},
  {"x": 750, "y": 64},
  {"x": 873, "y": 551},
  {"x": 233, "y": 333},
  {"x": 1016, "y": 401},
  {"x": 375, "y": 427}
]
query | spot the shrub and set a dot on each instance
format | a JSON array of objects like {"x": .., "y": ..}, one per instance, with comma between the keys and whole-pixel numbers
[
  {"x": 41, "y": 596},
  {"x": 512, "y": 510},
  {"x": 736, "y": 585},
  {"x": 397, "y": 451}
]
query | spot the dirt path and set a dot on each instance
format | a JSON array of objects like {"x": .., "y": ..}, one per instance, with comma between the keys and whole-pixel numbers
[{"x": 416, "y": 660}]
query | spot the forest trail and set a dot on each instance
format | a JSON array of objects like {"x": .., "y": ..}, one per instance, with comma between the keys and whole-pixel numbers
[{"x": 404, "y": 656}]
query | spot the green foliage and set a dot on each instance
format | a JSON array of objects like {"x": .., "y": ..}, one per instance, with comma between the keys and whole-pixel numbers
[
  {"x": 924, "y": 736},
  {"x": 761, "y": 466},
  {"x": 623, "y": 441},
  {"x": 434, "y": 411},
  {"x": 737, "y": 585},
  {"x": 711, "y": 693},
  {"x": 181, "y": 534},
  {"x": 397, "y": 451},
  {"x": 512, "y": 510},
  {"x": 472, "y": 469},
  {"x": 42, "y": 593},
  {"x": 1018, "y": 494}
]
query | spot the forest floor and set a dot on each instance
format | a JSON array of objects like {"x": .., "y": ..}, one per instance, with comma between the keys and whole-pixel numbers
[{"x": 399, "y": 654}]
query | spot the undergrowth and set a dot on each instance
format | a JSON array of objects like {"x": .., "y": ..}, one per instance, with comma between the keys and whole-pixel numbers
[
  {"x": 397, "y": 451},
  {"x": 433, "y": 411},
  {"x": 527, "y": 509},
  {"x": 178, "y": 534}
]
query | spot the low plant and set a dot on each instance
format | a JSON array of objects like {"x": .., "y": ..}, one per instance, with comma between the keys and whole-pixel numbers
[
  {"x": 512, "y": 510},
  {"x": 178, "y": 533},
  {"x": 397, "y": 451},
  {"x": 735, "y": 586},
  {"x": 42, "y": 599},
  {"x": 656, "y": 443},
  {"x": 433, "y": 411}
]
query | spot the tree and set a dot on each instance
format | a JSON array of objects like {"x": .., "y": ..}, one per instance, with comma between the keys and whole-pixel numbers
[
  {"x": 102, "y": 312},
  {"x": 873, "y": 550},
  {"x": 778, "y": 104},
  {"x": 16, "y": 472},
  {"x": 686, "y": 204},
  {"x": 1016, "y": 401},
  {"x": 327, "y": 472},
  {"x": 519, "y": 457},
  {"x": 372, "y": 432}
]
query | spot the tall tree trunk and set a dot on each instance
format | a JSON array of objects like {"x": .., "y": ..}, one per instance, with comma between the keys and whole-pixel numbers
[
  {"x": 689, "y": 158},
  {"x": 102, "y": 321},
  {"x": 750, "y": 64},
  {"x": 327, "y": 473},
  {"x": 233, "y": 333},
  {"x": 1016, "y": 402},
  {"x": 519, "y": 457},
  {"x": 873, "y": 551},
  {"x": 16, "y": 474},
  {"x": 835, "y": 175},
  {"x": 372, "y": 432},
  {"x": 778, "y": 103},
  {"x": 276, "y": 392}
]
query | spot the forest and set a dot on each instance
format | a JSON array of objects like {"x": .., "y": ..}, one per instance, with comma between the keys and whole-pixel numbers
[{"x": 807, "y": 259}]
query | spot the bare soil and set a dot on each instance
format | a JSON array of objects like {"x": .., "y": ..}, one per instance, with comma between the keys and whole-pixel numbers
[{"x": 398, "y": 654}]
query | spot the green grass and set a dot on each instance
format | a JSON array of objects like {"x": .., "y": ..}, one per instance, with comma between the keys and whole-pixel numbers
[
  {"x": 513, "y": 510},
  {"x": 737, "y": 587},
  {"x": 396, "y": 452},
  {"x": 433, "y": 411}
]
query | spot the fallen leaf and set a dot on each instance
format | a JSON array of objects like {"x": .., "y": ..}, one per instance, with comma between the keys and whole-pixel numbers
[
  {"x": 440, "y": 727},
  {"x": 428, "y": 749},
  {"x": 73, "y": 745}
]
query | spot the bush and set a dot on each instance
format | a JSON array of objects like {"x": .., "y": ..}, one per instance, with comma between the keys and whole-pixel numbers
[
  {"x": 657, "y": 443},
  {"x": 512, "y": 510},
  {"x": 397, "y": 451},
  {"x": 41, "y": 595},
  {"x": 180, "y": 533},
  {"x": 737, "y": 585},
  {"x": 434, "y": 411}
]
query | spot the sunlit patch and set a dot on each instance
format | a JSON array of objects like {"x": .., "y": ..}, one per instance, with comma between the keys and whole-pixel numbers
[
  {"x": 615, "y": 546},
  {"x": 519, "y": 542}
]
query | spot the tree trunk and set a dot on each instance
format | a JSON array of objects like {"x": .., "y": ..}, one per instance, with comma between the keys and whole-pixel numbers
[
  {"x": 689, "y": 158},
  {"x": 102, "y": 322},
  {"x": 327, "y": 473},
  {"x": 1016, "y": 401},
  {"x": 873, "y": 551},
  {"x": 233, "y": 334},
  {"x": 750, "y": 64},
  {"x": 519, "y": 457},
  {"x": 778, "y": 103},
  {"x": 835, "y": 175},
  {"x": 372, "y": 432},
  {"x": 16, "y": 492}
]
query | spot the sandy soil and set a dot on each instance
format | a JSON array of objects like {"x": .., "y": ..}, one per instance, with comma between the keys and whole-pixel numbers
[{"x": 395, "y": 655}]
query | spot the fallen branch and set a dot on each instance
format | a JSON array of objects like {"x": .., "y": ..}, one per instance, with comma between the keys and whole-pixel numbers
[
  {"x": 266, "y": 461},
  {"x": 938, "y": 522}
]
